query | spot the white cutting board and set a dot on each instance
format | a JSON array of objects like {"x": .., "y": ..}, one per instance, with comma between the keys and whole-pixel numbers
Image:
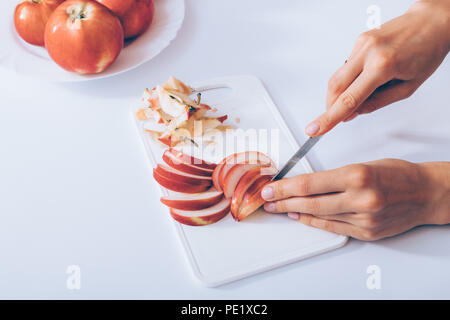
[{"x": 228, "y": 250}]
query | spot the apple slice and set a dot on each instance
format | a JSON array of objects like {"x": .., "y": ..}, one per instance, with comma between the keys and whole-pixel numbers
[
  {"x": 177, "y": 175},
  {"x": 202, "y": 217},
  {"x": 181, "y": 165},
  {"x": 252, "y": 199},
  {"x": 192, "y": 160},
  {"x": 192, "y": 201},
  {"x": 215, "y": 176},
  {"x": 178, "y": 186},
  {"x": 234, "y": 175},
  {"x": 250, "y": 157},
  {"x": 245, "y": 182}
]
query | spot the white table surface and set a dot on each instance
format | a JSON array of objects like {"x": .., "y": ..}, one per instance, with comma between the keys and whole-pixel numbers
[{"x": 75, "y": 187}]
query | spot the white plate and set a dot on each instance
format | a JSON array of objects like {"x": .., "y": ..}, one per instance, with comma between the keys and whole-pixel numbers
[
  {"x": 34, "y": 61},
  {"x": 228, "y": 250}
]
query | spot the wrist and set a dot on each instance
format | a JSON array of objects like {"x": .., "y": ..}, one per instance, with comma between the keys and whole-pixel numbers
[
  {"x": 439, "y": 13},
  {"x": 436, "y": 177}
]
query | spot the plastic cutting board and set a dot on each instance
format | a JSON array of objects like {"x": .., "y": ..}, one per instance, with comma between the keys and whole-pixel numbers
[{"x": 227, "y": 250}]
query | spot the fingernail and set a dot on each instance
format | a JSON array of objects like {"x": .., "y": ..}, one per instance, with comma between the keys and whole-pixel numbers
[
  {"x": 293, "y": 215},
  {"x": 312, "y": 128},
  {"x": 267, "y": 193},
  {"x": 269, "y": 207}
]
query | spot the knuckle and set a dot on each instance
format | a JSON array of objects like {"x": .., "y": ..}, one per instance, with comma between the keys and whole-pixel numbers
[
  {"x": 369, "y": 235},
  {"x": 312, "y": 206},
  {"x": 382, "y": 61},
  {"x": 362, "y": 38},
  {"x": 306, "y": 219},
  {"x": 369, "y": 223},
  {"x": 373, "y": 202},
  {"x": 348, "y": 101},
  {"x": 279, "y": 190},
  {"x": 302, "y": 185},
  {"x": 360, "y": 175},
  {"x": 368, "y": 39},
  {"x": 322, "y": 224},
  {"x": 281, "y": 206},
  {"x": 325, "y": 121}
]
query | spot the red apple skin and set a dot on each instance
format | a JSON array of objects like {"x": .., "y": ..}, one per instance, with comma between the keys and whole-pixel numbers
[
  {"x": 178, "y": 164},
  {"x": 203, "y": 221},
  {"x": 30, "y": 18},
  {"x": 178, "y": 176},
  {"x": 118, "y": 7},
  {"x": 252, "y": 199},
  {"x": 233, "y": 176},
  {"x": 200, "y": 221},
  {"x": 227, "y": 167},
  {"x": 138, "y": 18},
  {"x": 244, "y": 184},
  {"x": 136, "y": 15},
  {"x": 242, "y": 157},
  {"x": 179, "y": 186},
  {"x": 192, "y": 205},
  {"x": 215, "y": 176},
  {"x": 83, "y": 36},
  {"x": 192, "y": 160},
  {"x": 166, "y": 139}
]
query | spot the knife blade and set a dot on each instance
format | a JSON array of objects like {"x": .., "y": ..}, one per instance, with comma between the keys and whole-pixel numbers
[{"x": 296, "y": 157}]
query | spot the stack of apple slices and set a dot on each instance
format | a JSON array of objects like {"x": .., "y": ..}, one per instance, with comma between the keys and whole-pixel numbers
[
  {"x": 202, "y": 193},
  {"x": 241, "y": 177},
  {"x": 192, "y": 199}
]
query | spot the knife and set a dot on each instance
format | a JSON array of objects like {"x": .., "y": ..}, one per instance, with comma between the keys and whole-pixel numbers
[{"x": 296, "y": 157}]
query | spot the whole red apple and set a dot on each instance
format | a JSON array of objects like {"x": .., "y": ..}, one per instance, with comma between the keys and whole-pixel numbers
[
  {"x": 83, "y": 36},
  {"x": 30, "y": 18},
  {"x": 137, "y": 20},
  {"x": 119, "y": 7},
  {"x": 136, "y": 15}
]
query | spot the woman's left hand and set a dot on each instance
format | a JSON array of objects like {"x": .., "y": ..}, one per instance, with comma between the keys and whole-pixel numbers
[{"x": 367, "y": 201}]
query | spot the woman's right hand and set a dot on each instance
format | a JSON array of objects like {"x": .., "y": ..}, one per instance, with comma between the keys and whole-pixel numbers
[{"x": 387, "y": 64}]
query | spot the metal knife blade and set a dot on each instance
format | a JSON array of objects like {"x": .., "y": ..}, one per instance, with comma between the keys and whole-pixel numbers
[{"x": 296, "y": 157}]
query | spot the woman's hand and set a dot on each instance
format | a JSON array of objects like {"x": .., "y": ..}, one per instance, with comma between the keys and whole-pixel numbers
[
  {"x": 366, "y": 201},
  {"x": 387, "y": 64}
]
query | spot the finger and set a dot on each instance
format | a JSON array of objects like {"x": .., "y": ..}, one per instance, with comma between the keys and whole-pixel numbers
[
  {"x": 293, "y": 215},
  {"x": 391, "y": 92},
  {"x": 364, "y": 221},
  {"x": 349, "y": 217},
  {"x": 384, "y": 95},
  {"x": 316, "y": 205},
  {"x": 306, "y": 185},
  {"x": 352, "y": 116},
  {"x": 342, "y": 78},
  {"x": 339, "y": 227},
  {"x": 347, "y": 103}
]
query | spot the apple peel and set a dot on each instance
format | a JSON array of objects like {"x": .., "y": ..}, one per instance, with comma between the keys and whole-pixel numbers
[
  {"x": 192, "y": 201},
  {"x": 178, "y": 186},
  {"x": 252, "y": 199},
  {"x": 177, "y": 175},
  {"x": 234, "y": 175},
  {"x": 244, "y": 184},
  {"x": 202, "y": 217},
  {"x": 249, "y": 157},
  {"x": 181, "y": 165},
  {"x": 192, "y": 160}
]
